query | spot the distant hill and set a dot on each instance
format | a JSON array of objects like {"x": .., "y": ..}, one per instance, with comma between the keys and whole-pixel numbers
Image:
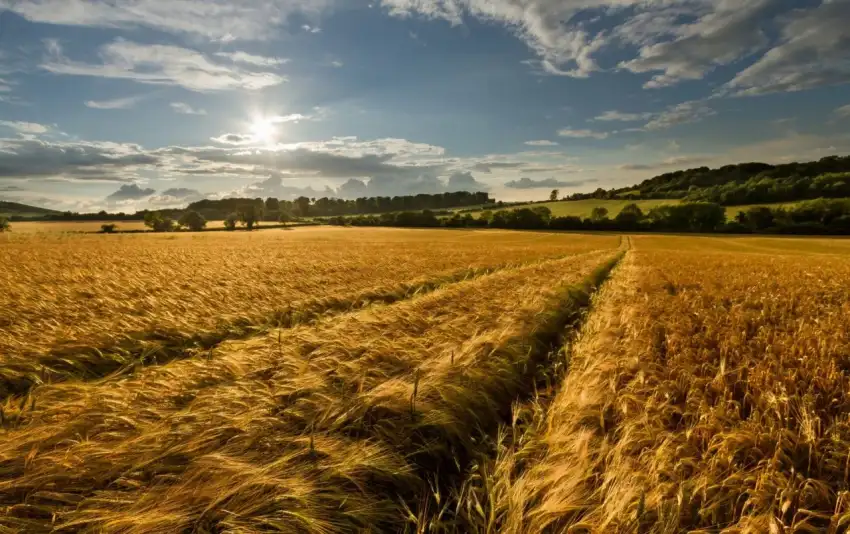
[
  {"x": 14, "y": 209},
  {"x": 741, "y": 184}
]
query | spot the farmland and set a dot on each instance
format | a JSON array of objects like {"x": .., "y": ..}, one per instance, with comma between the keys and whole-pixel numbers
[
  {"x": 584, "y": 208},
  {"x": 340, "y": 380}
]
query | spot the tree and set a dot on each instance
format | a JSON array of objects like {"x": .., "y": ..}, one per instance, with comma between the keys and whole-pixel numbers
[
  {"x": 193, "y": 220},
  {"x": 158, "y": 223},
  {"x": 302, "y": 205},
  {"x": 4, "y": 224},
  {"x": 599, "y": 214},
  {"x": 285, "y": 217},
  {"x": 249, "y": 215},
  {"x": 553, "y": 196},
  {"x": 629, "y": 216},
  {"x": 230, "y": 222},
  {"x": 108, "y": 228}
]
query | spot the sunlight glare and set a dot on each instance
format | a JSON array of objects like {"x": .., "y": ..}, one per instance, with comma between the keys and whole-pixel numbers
[{"x": 263, "y": 130}]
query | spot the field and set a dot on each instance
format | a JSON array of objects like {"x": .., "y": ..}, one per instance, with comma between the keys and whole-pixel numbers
[
  {"x": 384, "y": 380},
  {"x": 583, "y": 208}
]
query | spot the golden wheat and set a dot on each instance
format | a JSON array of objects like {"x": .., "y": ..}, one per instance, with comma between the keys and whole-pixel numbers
[
  {"x": 73, "y": 297},
  {"x": 317, "y": 428},
  {"x": 707, "y": 394}
]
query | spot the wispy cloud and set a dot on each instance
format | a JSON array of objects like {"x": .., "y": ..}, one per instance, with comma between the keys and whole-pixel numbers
[
  {"x": 252, "y": 59},
  {"x": 528, "y": 183},
  {"x": 568, "y": 132},
  {"x": 843, "y": 111},
  {"x": 160, "y": 65},
  {"x": 25, "y": 127},
  {"x": 541, "y": 142},
  {"x": 622, "y": 117},
  {"x": 186, "y": 109},
  {"x": 117, "y": 103}
]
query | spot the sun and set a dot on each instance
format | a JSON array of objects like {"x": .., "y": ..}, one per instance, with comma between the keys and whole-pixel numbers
[{"x": 263, "y": 130}]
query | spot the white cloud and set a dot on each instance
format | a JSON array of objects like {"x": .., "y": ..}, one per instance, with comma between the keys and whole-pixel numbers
[
  {"x": 117, "y": 103},
  {"x": 186, "y": 109},
  {"x": 161, "y": 65},
  {"x": 251, "y": 59},
  {"x": 337, "y": 64},
  {"x": 684, "y": 113},
  {"x": 729, "y": 31},
  {"x": 223, "y": 20},
  {"x": 843, "y": 111},
  {"x": 813, "y": 53},
  {"x": 541, "y": 142},
  {"x": 25, "y": 127},
  {"x": 622, "y": 117},
  {"x": 567, "y": 132}
]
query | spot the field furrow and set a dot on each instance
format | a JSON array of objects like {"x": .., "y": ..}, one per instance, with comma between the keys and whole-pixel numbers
[
  {"x": 331, "y": 427},
  {"x": 150, "y": 299}
]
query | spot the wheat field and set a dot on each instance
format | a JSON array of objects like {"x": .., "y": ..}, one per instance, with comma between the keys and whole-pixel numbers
[{"x": 385, "y": 380}]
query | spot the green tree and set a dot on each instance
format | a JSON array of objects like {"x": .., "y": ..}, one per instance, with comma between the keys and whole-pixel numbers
[
  {"x": 159, "y": 223},
  {"x": 285, "y": 216},
  {"x": 302, "y": 206},
  {"x": 4, "y": 224},
  {"x": 553, "y": 196},
  {"x": 192, "y": 220},
  {"x": 230, "y": 222},
  {"x": 630, "y": 215},
  {"x": 108, "y": 228},
  {"x": 249, "y": 215},
  {"x": 599, "y": 214}
]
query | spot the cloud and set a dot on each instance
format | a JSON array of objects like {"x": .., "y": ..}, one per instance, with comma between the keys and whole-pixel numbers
[
  {"x": 353, "y": 188},
  {"x": 10, "y": 188},
  {"x": 488, "y": 166},
  {"x": 176, "y": 196},
  {"x": 234, "y": 139},
  {"x": 813, "y": 52},
  {"x": 25, "y": 127},
  {"x": 465, "y": 181},
  {"x": 186, "y": 109},
  {"x": 528, "y": 183},
  {"x": 130, "y": 192},
  {"x": 222, "y": 20},
  {"x": 161, "y": 65},
  {"x": 567, "y": 132},
  {"x": 622, "y": 117},
  {"x": 252, "y": 59},
  {"x": 684, "y": 113},
  {"x": 843, "y": 111},
  {"x": 678, "y": 161},
  {"x": 104, "y": 161},
  {"x": 541, "y": 142},
  {"x": 720, "y": 36},
  {"x": 337, "y": 64},
  {"x": 117, "y": 103}
]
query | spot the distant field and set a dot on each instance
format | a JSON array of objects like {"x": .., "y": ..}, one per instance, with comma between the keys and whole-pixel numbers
[
  {"x": 583, "y": 208},
  {"x": 30, "y": 227}
]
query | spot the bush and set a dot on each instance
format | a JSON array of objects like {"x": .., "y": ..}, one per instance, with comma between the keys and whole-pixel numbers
[
  {"x": 108, "y": 228},
  {"x": 193, "y": 220},
  {"x": 4, "y": 225},
  {"x": 158, "y": 223},
  {"x": 230, "y": 222}
]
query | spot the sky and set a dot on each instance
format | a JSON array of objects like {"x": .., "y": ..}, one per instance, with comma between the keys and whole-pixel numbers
[{"x": 134, "y": 104}]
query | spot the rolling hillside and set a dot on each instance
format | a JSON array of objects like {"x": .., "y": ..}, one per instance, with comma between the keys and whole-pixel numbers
[{"x": 14, "y": 209}]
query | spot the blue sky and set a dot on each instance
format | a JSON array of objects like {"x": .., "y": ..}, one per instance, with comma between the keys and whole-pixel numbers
[{"x": 154, "y": 103}]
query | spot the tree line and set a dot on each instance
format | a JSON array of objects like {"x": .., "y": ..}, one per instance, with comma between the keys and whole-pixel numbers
[
  {"x": 745, "y": 183},
  {"x": 816, "y": 217}
]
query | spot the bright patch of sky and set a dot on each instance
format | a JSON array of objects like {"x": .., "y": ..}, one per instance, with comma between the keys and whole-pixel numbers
[{"x": 153, "y": 103}]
